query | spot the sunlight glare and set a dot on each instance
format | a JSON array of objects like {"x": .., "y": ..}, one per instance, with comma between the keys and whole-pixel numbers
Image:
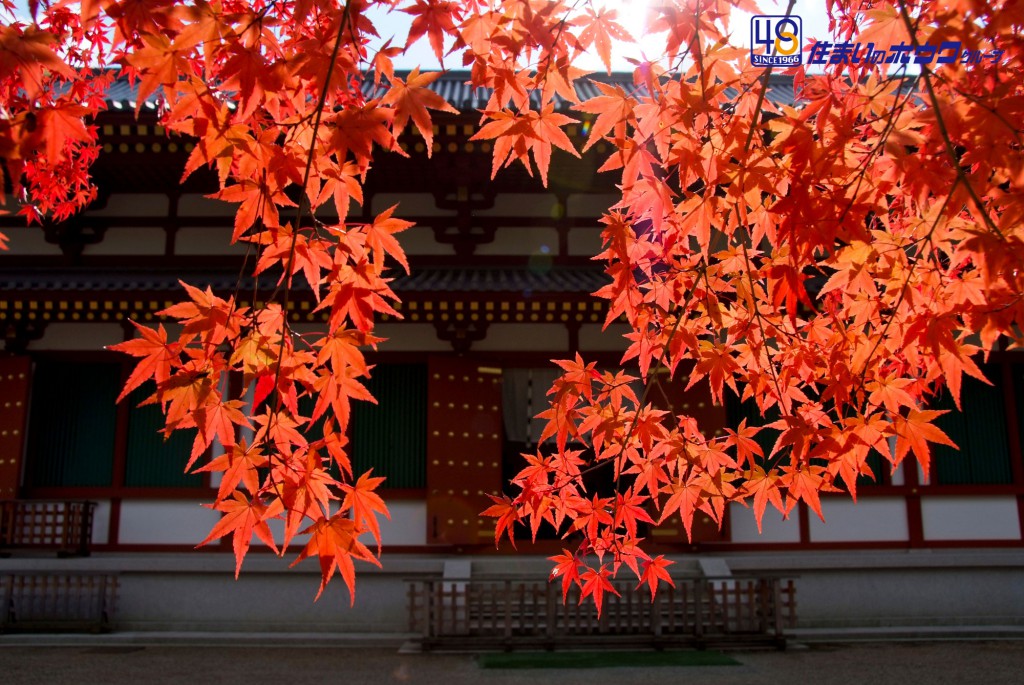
[{"x": 632, "y": 16}]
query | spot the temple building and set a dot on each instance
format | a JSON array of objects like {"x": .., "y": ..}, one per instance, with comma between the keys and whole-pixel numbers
[{"x": 501, "y": 283}]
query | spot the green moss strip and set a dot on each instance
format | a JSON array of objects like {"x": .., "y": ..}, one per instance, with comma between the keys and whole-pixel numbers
[{"x": 605, "y": 659}]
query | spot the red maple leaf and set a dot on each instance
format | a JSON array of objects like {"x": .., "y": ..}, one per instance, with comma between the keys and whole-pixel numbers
[
  {"x": 567, "y": 566},
  {"x": 507, "y": 514},
  {"x": 655, "y": 570},
  {"x": 240, "y": 464},
  {"x": 411, "y": 98},
  {"x": 158, "y": 357},
  {"x": 436, "y": 18},
  {"x": 365, "y": 504},
  {"x": 915, "y": 431},
  {"x": 242, "y": 518},
  {"x": 335, "y": 542},
  {"x": 595, "y": 584}
]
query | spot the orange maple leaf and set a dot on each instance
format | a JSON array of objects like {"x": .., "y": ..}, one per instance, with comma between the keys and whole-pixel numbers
[
  {"x": 595, "y": 582},
  {"x": 380, "y": 238},
  {"x": 913, "y": 433},
  {"x": 614, "y": 110},
  {"x": 435, "y": 18},
  {"x": 365, "y": 504},
  {"x": 517, "y": 134},
  {"x": 411, "y": 98},
  {"x": 507, "y": 514},
  {"x": 158, "y": 357},
  {"x": 242, "y": 517},
  {"x": 765, "y": 488},
  {"x": 567, "y": 566},
  {"x": 599, "y": 29},
  {"x": 240, "y": 464},
  {"x": 656, "y": 570},
  {"x": 28, "y": 51},
  {"x": 335, "y": 542}
]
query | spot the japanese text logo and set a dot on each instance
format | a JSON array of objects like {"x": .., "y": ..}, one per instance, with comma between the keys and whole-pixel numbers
[
  {"x": 946, "y": 52},
  {"x": 776, "y": 41}
]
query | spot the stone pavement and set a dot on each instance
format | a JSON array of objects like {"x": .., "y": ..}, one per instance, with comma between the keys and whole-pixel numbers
[{"x": 991, "y": 662}]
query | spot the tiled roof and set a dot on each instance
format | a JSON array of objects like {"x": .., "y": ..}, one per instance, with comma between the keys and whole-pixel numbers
[
  {"x": 553, "y": 280},
  {"x": 491, "y": 280},
  {"x": 452, "y": 87}
]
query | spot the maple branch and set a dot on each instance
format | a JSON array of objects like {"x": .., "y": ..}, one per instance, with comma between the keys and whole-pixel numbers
[
  {"x": 878, "y": 149},
  {"x": 642, "y": 403},
  {"x": 562, "y": 23},
  {"x": 746, "y": 255},
  {"x": 1017, "y": 132},
  {"x": 943, "y": 131},
  {"x": 287, "y": 276},
  {"x": 903, "y": 293}
]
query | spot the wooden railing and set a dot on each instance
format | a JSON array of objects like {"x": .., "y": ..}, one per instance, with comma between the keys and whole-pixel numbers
[
  {"x": 41, "y": 600},
  {"x": 61, "y": 525},
  {"x": 519, "y": 612}
]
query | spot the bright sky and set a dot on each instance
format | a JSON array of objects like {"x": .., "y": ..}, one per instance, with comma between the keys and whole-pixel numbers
[{"x": 632, "y": 15}]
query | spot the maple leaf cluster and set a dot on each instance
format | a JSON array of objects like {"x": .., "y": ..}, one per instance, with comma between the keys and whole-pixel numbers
[
  {"x": 835, "y": 262},
  {"x": 48, "y": 91}
]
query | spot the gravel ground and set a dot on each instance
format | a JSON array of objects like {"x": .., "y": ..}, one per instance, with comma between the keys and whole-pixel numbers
[{"x": 933, "y": 663}]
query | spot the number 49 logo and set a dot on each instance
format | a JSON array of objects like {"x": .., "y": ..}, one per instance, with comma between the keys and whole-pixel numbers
[{"x": 776, "y": 41}]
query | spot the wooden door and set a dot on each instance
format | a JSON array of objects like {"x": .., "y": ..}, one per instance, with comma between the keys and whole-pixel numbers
[
  {"x": 464, "y": 438},
  {"x": 14, "y": 388},
  {"x": 711, "y": 418}
]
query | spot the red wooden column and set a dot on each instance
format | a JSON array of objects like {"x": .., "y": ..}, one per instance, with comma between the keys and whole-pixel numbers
[
  {"x": 464, "y": 439},
  {"x": 14, "y": 389}
]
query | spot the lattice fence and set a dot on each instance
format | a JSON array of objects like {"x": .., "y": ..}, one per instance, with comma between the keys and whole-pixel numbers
[
  {"x": 64, "y": 526},
  {"x": 57, "y": 601},
  {"x": 510, "y": 612}
]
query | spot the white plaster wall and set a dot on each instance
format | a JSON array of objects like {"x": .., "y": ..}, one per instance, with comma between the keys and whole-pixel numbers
[
  {"x": 584, "y": 241},
  {"x": 851, "y": 594},
  {"x": 408, "y": 524},
  {"x": 193, "y": 591},
  {"x": 593, "y": 339},
  {"x": 970, "y": 518},
  {"x": 78, "y": 336},
  {"x": 207, "y": 240},
  {"x": 134, "y": 204},
  {"x": 419, "y": 240},
  {"x": 869, "y": 520},
  {"x": 540, "y": 337},
  {"x": 28, "y": 240},
  {"x": 126, "y": 240},
  {"x": 590, "y": 204},
  {"x": 409, "y": 204},
  {"x": 194, "y": 204},
  {"x": 101, "y": 522},
  {"x": 774, "y": 528},
  {"x": 171, "y": 522},
  {"x": 521, "y": 240},
  {"x": 261, "y": 601},
  {"x": 277, "y": 532},
  {"x": 523, "y": 204}
]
